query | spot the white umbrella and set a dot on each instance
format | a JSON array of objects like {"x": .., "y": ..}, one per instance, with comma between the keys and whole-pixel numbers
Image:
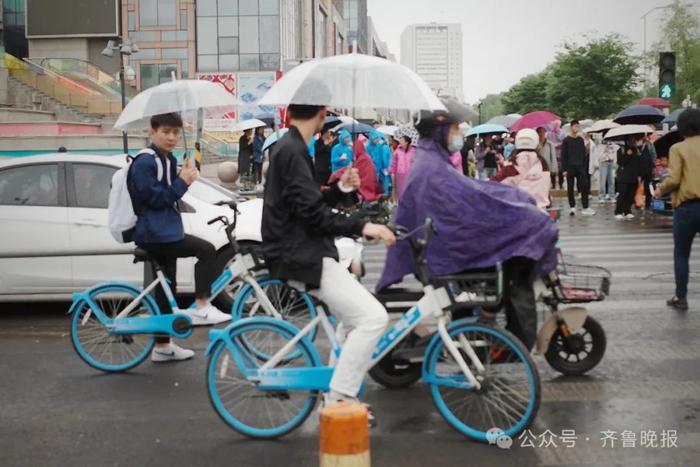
[
  {"x": 353, "y": 81},
  {"x": 627, "y": 130},
  {"x": 602, "y": 125},
  {"x": 387, "y": 129},
  {"x": 175, "y": 96},
  {"x": 249, "y": 124}
]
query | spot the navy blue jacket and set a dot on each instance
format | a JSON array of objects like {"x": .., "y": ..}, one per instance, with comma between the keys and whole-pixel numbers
[{"x": 155, "y": 201}]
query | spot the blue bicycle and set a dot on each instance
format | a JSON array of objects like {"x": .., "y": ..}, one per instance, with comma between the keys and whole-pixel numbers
[
  {"x": 264, "y": 375},
  {"x": 113, "y": 325}
]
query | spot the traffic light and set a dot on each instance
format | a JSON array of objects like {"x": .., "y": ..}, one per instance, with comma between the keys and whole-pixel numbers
[{"x": 667, "y": 75}]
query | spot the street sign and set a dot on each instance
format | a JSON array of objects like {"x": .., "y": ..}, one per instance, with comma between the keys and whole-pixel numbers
[{"x": 666, "y": 91}]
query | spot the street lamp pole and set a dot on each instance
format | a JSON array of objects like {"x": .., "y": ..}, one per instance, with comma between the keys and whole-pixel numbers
[
  {"x": 644, "y": 18},
  {"x": 122, "y": 79},
  {"x": 125, "y": 48}
]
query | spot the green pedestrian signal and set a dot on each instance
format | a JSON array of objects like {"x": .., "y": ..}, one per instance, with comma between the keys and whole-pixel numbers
[
  {"x": 666, "y": 91},
  {"x": 667, "y": 75}
]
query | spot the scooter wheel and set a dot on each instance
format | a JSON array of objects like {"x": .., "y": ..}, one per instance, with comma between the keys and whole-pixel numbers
[
  {"x": 584, "y": 351},
  {"x": 395, "y": 375}
]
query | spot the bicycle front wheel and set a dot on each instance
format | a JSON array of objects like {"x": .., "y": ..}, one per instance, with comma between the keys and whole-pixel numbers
[
  {"x": 510, "y": 392},
  {"x": 100, "y": 348},
  {"x": 248, "y": 410}
]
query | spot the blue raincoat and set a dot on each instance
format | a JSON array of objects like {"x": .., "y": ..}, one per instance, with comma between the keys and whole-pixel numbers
[
  {"x": 341, "y": 149},
  {"x": 380, "y": 153},
  {"x": 479, "y": 223}
]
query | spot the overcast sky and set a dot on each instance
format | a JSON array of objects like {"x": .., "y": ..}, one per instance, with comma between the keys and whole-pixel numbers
[{"x": 505, "y": 40}]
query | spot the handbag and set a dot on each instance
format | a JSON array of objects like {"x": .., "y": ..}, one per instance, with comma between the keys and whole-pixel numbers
[{"x": 639, "y": 196}]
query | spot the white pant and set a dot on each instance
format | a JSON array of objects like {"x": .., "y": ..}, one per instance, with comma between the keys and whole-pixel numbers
[{"x": 362, "y": 316}]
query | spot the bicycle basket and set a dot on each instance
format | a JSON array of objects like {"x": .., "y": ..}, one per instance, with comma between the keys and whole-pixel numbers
[
  {"x": 472, "y": 289},
  {"x": 581, "y": 283}
]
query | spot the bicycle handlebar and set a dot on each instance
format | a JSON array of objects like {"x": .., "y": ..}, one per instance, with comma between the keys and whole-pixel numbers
[{"x": 418, "y": 246}]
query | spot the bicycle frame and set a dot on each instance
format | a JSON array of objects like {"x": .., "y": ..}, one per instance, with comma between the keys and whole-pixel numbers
[{"x": 268, "y": 377}]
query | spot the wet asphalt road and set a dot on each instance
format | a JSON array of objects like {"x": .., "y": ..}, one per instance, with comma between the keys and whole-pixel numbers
[{"x": 55, "y": 410}]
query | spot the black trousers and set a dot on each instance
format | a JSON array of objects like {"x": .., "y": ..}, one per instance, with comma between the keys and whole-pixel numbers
[
  {"x": 166, "y": 255},
  {"x": 646, "y": 180},
  {"x": 258, "y": 171},
  {"x": 557, "y": 176},
  {"x": 518, "y": 300},
  {"x": 625, "y": 198},
  {"x": 580, "y": 174}
]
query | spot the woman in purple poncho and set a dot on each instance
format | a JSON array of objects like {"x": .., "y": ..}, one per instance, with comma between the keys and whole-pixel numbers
[{"x": 479, "y": 223}]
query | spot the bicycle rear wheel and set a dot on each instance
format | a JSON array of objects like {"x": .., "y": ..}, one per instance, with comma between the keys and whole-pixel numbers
[
  {"x": 509, "y": 397},
  {"x": 100, "y": 348},
  {"x": 297, "y": 308},
  {"x": 250, "y": 411}
]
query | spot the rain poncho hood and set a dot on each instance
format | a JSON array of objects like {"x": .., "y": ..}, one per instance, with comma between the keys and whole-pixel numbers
[
  {"x": 531, "y": 177},
  {"x": 341, "y": 149},
  {"x": 479, "y": 223},
  {"x": 381, "y": 157}
]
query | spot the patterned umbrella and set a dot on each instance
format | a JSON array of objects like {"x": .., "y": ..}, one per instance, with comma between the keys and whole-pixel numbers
[{"x": 407, "y": 130}]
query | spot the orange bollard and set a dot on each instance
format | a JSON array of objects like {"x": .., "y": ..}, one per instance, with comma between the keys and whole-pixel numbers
[{"x": 344, "y": 435}]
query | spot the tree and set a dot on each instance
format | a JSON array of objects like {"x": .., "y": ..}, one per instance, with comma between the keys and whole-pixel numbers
[
  {"x": 681, "y": 34},
  {"x": 528, "y": 95},
  {"x": 593, "y": 80},
  {"x": 491, "y": 106}
]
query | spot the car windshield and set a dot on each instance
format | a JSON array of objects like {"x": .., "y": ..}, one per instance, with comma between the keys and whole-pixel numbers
[{"x": 209, "y": 192}]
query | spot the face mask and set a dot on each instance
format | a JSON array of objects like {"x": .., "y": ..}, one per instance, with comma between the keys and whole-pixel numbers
[{"x": 456, "y": 144}]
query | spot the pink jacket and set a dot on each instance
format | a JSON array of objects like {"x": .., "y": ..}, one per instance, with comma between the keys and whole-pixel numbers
[
  {"x": 531, "y": 178},
  {"x": 456, "y": 160},
  {"x": 401, "y": 161}
]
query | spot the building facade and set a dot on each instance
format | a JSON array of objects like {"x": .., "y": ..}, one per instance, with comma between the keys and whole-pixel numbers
[
  {"x": 434, "y": 52},
  {"x": 13, "y": 30},
  {"x": 164, "y": 31},
  {"x": 355, "y": 12}
]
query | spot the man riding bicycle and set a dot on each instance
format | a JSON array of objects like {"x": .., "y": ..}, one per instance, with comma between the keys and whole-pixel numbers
[{"x": 299, "y": 225}]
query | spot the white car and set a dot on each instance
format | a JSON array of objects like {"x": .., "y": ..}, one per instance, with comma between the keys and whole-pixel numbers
[{"x": 55, "y": 240}]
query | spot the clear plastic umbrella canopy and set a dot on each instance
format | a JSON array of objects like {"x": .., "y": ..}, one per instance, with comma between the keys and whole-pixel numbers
[
  {"x": 353, "y": 81},
  {"x": 180, "y": 96}
]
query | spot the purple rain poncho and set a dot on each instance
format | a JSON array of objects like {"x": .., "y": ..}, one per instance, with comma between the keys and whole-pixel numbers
[{"x": 479, "y": 223}]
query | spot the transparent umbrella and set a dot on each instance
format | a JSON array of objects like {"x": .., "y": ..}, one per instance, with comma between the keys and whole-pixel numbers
[
  {"x": 175, "y": 96},
  {"x": 353, "y": 81}
]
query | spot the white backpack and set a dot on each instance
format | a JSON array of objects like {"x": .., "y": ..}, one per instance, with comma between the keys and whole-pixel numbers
[{"x": 121, "y": 217}]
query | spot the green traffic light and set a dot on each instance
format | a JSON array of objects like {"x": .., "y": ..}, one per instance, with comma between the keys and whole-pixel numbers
[{"x": 666, "y": 91}]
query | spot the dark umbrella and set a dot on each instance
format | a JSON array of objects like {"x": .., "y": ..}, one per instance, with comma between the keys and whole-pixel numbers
[
  {"x": 354, "y": 127},
  {"x": 663, "y": 144},
  {"x": 639, "y": 115},
  {"x": 673, "y": 117},
  {"x": 330, "y": 122}
]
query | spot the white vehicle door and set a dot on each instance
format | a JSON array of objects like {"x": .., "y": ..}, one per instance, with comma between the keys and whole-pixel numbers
[
  {"x": 88, "y": 192},
  {"x": 34, "y": 220}
]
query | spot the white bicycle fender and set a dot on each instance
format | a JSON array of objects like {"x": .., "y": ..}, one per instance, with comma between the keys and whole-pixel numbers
[{"x": 574, "y": 317}]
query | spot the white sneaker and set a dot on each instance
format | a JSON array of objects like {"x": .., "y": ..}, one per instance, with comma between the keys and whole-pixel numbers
[
  {"x": 588, "y": 212},
  {"x": 170, "y": 352},
  {"x": 629, "y": 216},
  {"x": 208, "y": 315},
  {"x": 619, "y": 217},
  {"x": 572, "y": 211}
]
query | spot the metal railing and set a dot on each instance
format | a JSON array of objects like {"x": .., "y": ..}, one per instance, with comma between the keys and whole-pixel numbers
[{"x": 61, "y": 89}]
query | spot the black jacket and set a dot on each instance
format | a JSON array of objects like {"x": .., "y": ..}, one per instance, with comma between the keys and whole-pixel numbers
[
  {"x": 573, "y": 153},
  {"x": 299, "y": 225},
  {"x": 629, "y": 165},
  {"x": 245, "y": 155},
  {"x": 322, "y": 161}
]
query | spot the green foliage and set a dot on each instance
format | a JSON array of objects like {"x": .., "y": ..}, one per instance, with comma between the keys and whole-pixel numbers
[
  {"x": 491, "y": 106},
  {"x": 594, "y": 80},
  {"x": 528, "y": 95},
  {"x": 681, "y": 34}
]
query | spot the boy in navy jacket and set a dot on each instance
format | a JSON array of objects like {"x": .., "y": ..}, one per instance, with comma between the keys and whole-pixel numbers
[{"x": 155, "y": 187}]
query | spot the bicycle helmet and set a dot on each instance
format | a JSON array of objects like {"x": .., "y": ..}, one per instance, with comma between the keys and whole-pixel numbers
[
  {"x": 527, "y": 139},
  {"x": 456, "y": 113}
]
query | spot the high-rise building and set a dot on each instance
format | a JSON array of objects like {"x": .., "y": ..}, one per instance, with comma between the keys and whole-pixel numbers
[
  {"x": 355, "y": 13},
  {"x": 434, "y": 52}
]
